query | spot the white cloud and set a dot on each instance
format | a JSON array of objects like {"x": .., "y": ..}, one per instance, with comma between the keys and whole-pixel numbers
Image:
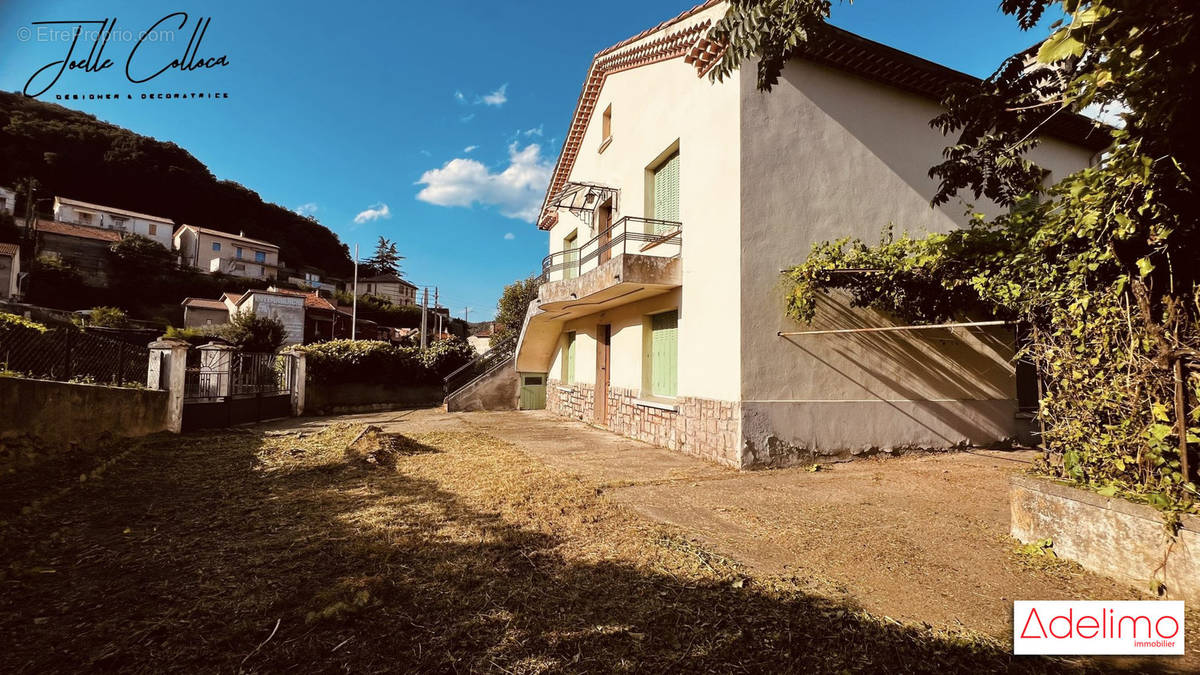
[
  {"x": 516, "y": 191},
  {"x": 458, "y": 96},
  {"x": 496, "y": 98},
  {"x": 426, "y": 153},
  {"x": 536, "y": 131},
  {"x": 467, "y": 118},
  {"x": 470, "y": 148},
  {"x": 306, "y": 209},
  {"x": 509, "y": 236},
  {"x": 374, "y": 212}
]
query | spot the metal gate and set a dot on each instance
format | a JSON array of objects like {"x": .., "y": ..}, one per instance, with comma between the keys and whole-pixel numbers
[{"x": 237, "y": 388}]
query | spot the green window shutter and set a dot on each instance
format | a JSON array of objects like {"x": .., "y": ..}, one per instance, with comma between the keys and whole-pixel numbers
[
  {"x": 664, "y": 353},
  {"x": 571, "y": 256},
  {"x": 666, "y": 192},
  {"x": 570, "y": 376}
]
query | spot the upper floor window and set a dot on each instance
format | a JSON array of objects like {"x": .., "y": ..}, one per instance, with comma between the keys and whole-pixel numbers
[
  {"x": 260, "y": 256},
  {"x": 84, "y": 218},
  {"x": 4, "y": 203},
  {"x": 666, "y": 192},
  {"x": 153, "y": 229},
  {"x": 239, "y": 252},
  {"x": 606, "y": 128},
  {"x": 217, "y": 246},
  {"x": 119, "y": 223},
  {"x": 571, "y": 255}
]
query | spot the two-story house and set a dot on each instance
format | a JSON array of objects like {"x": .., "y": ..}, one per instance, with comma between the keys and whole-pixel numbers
[
  {"x": 675, "y": 204},
  {"x": 75, "y": 212},
  {"x": 214, "y": 251},
  {"x": 389, "y": 286}
]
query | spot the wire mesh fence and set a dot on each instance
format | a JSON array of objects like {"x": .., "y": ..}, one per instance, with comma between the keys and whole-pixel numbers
[{"x": 70, "y": 355}]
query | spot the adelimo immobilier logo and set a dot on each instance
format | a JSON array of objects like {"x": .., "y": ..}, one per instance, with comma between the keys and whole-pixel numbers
[{"x": 1138, "y": 627}]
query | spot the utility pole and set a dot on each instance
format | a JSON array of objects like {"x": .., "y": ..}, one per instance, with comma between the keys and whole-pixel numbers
[
  {"x": 467, "y": 314},
  {"x": 354, "y": 310},
  {"x": 424, "y": 308}
]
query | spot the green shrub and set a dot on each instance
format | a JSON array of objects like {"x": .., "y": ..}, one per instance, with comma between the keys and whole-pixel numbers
[
  {"x": 195, "y": 336},
  {"x": 12, "y": 323},
  {"x": 253, "y": 333},
  {"x": 366, "y": 361},
  {"x": 110, "y": 317},
  {"x": 443, "y": 357}
]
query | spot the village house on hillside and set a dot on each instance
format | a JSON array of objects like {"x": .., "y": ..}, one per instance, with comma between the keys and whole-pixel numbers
[
  {"x": 83, "y": 246},
  {"x": 10, "y": 270},
  {"x": 154, "y": 228},
  {"x": 237, "y": 255},
  {"x": 8, "y": 200},
  {"x": 674, "y": 206},
  {"x": 390, "y": 286}
]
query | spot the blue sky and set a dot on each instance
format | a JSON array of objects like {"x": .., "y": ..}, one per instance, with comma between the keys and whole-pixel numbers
[{"x": 433, "y": 124}]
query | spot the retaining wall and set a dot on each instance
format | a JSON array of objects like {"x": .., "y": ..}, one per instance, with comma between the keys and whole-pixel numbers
[
  {"x": 1110, "y": 536},
  {"x": 326, "y": 399},
  {"x": 68, "y": 412}
]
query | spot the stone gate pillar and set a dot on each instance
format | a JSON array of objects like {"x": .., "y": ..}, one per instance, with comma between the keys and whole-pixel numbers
[{"x": 165, "y": 370}]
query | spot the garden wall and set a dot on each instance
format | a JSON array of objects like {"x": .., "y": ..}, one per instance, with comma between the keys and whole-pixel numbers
[
  {"x": 68, "y": 412},
  {"x": 335, "y": 399},
  {"x": 1110, "y": 536}
]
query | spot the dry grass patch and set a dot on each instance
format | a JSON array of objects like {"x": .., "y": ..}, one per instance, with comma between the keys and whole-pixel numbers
[{"x": 448, "y": 552}]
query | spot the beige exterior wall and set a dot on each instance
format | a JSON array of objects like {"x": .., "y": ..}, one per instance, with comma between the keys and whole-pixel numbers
[
  {"x": 656, "y": 108},
  {"x": 196, "y": 250},
  {"x": 828, "y": 155},
  {"x": 10, "y": 271},
  {"x": 7, "y": 200},
  {"x": 399, "y": 294},
  {"x": 288, "y": 309}
]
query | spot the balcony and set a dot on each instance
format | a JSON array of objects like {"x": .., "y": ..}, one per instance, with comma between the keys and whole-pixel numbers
[{"x": 633, "y": 259}]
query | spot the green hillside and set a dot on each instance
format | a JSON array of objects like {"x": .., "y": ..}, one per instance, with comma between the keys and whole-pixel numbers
[{"x": 75, "y": 155}]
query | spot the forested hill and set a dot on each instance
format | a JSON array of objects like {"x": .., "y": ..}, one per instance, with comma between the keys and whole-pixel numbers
[{"x": 75, "y": 155}]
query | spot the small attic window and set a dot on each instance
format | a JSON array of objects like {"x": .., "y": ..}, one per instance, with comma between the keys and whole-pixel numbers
[{"x": 606, "y": 128}]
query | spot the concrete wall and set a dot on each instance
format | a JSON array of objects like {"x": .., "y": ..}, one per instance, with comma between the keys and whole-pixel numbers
[
  {"x": 497, "y": 390},
  {"x": 1113, "y": 537},
  {"x": 198, "y": 317},
  {"x": 66, "y": 412},
  {"x": 7, "y": 200},
  {"x": 289, "y": 309},
  {"x": 346, "y": 398},
  {"x": 828, "y": 155}
]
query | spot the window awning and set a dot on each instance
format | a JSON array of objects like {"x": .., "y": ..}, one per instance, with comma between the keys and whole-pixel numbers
[{"x": 582, "y": 199}]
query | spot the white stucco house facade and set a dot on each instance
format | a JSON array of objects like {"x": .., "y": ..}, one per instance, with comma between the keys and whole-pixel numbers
[
  {"x": 673, "y": 207},
  {"x": 287, "y": 308},
  {"x": 154, "y": 228}
]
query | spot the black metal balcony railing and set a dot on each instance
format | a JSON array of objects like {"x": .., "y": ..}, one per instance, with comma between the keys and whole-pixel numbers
[{"x": 644, "y": 236}]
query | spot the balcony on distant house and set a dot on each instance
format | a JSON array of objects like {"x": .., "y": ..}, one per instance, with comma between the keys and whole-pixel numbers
[{"x": 635, "y": 258}]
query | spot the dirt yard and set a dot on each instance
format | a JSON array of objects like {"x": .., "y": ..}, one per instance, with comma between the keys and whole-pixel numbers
[{"x": 449, "y": 548}]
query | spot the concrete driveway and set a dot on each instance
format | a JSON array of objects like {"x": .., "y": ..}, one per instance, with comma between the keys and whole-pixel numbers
[{"x": 922, "y": 538}]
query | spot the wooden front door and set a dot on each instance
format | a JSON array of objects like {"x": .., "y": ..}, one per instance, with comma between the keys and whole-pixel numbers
[
  {"x": 603, "y": 350},
  {"x": 604, "y": 223}
]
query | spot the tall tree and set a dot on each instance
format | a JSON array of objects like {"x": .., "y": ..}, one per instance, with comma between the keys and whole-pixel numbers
[
  {"x": 512, "y": 307},
  {"x": 386, "y": 259}
]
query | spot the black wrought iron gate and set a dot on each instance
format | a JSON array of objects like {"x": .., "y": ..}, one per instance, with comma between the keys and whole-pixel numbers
[{"x": 237, "y": 388}]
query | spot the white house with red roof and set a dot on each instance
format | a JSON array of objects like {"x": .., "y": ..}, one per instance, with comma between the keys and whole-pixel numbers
[
  {"x": 155, "y": 228},
  {"x": 674, "y": 205}
]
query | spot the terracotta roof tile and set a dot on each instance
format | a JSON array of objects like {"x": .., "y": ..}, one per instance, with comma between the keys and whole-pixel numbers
[
  {"x": 834, "y": 47},
  {"x": 203, "y": 303},
  {"x": 72, "y": 230},
  {"x": 9, "y": 249}
]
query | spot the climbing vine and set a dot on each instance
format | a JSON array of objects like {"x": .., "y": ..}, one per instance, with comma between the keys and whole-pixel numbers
[{"x": 1099, "y": 267}]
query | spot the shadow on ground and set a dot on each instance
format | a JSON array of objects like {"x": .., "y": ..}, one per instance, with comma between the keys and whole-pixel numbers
[{"x": 242, "y": 551}]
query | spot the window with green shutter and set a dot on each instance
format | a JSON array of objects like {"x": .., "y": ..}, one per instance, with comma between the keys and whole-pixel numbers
[
  {"x": 664, "y": 353},
  {"x": 666, "y": 193},
  {"x": 571, "y": 256},
  {"x": 569, "y": 360}
]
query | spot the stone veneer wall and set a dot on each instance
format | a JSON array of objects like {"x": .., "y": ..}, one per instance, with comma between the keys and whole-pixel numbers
[{"x": 702, "y": 427}]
